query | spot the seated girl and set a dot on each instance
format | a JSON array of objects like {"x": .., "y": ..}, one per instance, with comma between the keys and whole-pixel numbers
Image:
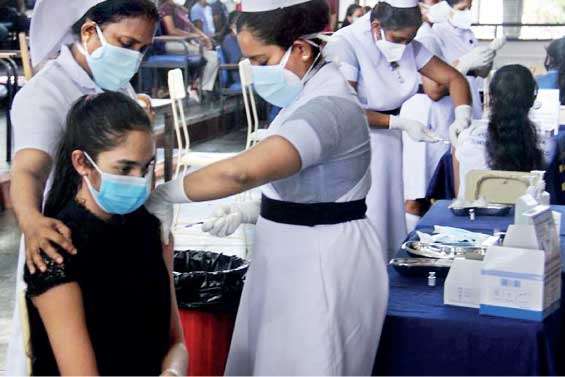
[
  {"x": 109, "y": 309},
  {"x": 509, "y": 140}
]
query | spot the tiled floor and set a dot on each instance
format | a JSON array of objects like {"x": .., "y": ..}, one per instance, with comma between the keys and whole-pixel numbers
[{"x": 10, "y": 235}]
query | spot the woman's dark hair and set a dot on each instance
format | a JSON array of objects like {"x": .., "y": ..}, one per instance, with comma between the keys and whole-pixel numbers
[
  {"x": 95, "y": 124},
  {"x": 392, "y": 18},
  {"x": 555, "y": 59},
  {"x": 111, "y": 11},
  {"x": 283, "y": 26},
  {"x": 349, "y": 13},
  {"x": 454, "y": 2},
  {"x": 513, "y": 142}
]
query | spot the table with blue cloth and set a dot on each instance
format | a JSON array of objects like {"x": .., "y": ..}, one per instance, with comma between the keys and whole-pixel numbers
[{"x": 422, "y": 336}]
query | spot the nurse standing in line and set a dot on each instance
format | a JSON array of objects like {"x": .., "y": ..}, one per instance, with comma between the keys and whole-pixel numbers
[
  {"x": 457, "y": 42},
  {"x": 379, "y": 57},
  {"x": 315, "y": 296},
  {"x": 98, "y": 46}
]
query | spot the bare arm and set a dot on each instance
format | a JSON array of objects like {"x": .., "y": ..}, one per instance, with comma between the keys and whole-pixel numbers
[
  {"x": 62, "y": 312},
  {"x": 444, "y": 74},
  {"x": 177, "y": 357},
  {"x": 272, "y": 159},
  {"x": 172, "y": 30},
  {"x": 31, "y": 168}
]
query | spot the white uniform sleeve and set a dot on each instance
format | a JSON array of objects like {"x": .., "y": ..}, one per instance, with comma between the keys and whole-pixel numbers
[
  {"x": 432, "y": 44},
  {"x": 340, "y": 51},
  {"x": 313, "y": 131},
  {"x": 421, "y": 54},
  {"x": 38, "y": 122}
]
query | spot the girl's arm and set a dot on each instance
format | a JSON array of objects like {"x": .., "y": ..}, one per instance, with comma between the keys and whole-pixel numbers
[
  {"x": 176, "y": 360},
  {"x": 62, "y": 312}
]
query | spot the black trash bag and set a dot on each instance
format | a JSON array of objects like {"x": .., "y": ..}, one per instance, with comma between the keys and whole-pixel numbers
[{"x": 206, "y": 280}]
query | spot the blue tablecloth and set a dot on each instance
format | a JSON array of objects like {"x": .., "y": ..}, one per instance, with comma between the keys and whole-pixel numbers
[{"x": 421, "y": 336}]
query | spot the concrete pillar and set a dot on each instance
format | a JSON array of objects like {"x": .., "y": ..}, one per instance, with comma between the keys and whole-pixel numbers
[{"x": 513, "y": 10}]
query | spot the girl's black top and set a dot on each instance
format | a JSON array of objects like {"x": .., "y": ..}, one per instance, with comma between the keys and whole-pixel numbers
[{"x": 125, "y": 290}]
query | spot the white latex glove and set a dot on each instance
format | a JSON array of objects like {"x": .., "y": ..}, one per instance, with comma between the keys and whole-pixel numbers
[
  {"x": 476, "y": 58},
  {"x": 161, "y": 201},
  {"x": 463, "y": 116},
  {"x": 416, "y": 130},
  {"x": 227, "y": 219}
]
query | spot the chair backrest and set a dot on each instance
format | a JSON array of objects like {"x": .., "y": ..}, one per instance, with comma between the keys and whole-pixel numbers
[
  {"x": 495, "y": 186},
  {"x": 246, "y": 76},
  {"x": 25, "y": 56},
  {"x": 177, "y": 93}
]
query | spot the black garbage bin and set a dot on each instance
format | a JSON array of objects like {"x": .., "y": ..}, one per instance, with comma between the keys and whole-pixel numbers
[{"x": 208, "y": 287}]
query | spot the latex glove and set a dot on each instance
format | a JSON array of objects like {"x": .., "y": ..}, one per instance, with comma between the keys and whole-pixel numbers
[
  {"x": 161, "y": 201},
  {"x": 227, "y": 219},
  {"x": 416, "y": 130},
  {"x": 477, "y": 58},
  {"x": 463, "y": 115}
]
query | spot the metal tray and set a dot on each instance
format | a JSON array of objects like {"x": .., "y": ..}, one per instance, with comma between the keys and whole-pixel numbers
[
  {"x": 421, "y": 266},
  {"x": 491, "y": 210},
  {"x": 419, "y": 249}
]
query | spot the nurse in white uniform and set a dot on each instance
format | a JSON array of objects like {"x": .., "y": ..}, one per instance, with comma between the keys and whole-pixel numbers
[
  {"x": 101, "y": 52},
  {"x": 421, "y": 160},
  {"x": 315, "y": 296},
  {"x": 458, "y": 41},
  {"x": 379, "y": 58}
]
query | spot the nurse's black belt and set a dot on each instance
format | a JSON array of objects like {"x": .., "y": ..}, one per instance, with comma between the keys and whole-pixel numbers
[
  {"x": 390, "y": 112},
  {"x": 312, "y": 214}
]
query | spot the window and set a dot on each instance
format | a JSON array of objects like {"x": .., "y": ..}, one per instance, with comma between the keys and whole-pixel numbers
[{"x": 549, "y": 13}]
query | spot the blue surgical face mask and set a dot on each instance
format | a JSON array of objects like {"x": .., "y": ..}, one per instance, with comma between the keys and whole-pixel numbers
[
  {"x": 118, "y": 194},
  {"x": 112, "y": 67},
  {"x": 276, "y": 84}
]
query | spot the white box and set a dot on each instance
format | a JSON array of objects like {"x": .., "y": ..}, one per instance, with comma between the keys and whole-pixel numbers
[
  {"x": 462, "y": 285},
  {"x": 522, "y": 279}
]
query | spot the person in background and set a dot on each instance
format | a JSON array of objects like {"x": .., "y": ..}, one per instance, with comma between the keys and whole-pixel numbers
[
  {"x": 441, "y": 110},
  {"x": 555, "y": 66},
  {"x": 354, "y": 12},
  {"x": 333, "y": 5},
  {"x": 176, "y": 22},
  {"x": 118, "y": 31},
  {"x": 220, "y": 14},
  {"x": 201, "y": 14},
  {"x": 81, "y": 311},
  {"x": 381, "y": 60},
  {"x": 460, "y": 48},
  {"x": 367, "y": 9},
  {"x": 510, "y": 140}
]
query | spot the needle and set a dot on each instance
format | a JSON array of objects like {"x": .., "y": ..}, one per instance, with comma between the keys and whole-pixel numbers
[{"x": 194, "y": 224}]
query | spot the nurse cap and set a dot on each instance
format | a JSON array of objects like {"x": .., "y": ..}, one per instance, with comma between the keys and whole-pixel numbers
[
  {"x": 402, "y": 3},
  {"x": 51, "y": 25},
  {"x": 267, "y": 5}
]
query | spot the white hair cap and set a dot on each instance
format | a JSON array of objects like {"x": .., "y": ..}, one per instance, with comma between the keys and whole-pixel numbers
[
  {"x": 266, "y": 5},
  {"x": 51, "y": 26},
  {"x": 402, "y": 3}
]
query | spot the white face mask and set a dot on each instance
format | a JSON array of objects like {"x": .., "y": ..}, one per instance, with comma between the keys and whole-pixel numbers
[
  {"x": 354, "y": 19},
  {"x": 462, "y": 19},
  {"x": 439, "y": 12},
  {"x": 392, "y": 51}
]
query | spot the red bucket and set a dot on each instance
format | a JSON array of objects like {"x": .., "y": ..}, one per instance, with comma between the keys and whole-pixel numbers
[{"x": 207, "y": 335}]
